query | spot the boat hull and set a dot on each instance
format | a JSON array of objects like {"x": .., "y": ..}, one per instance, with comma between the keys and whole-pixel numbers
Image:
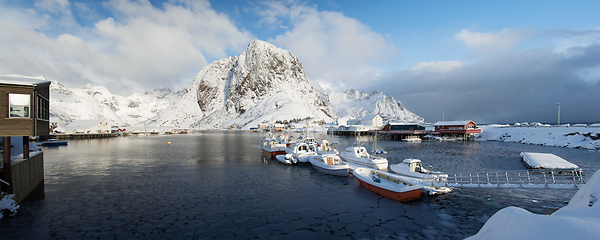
[
  {"x": 272, "y": 152},
  {"x": 284, "y": 158},
  {"x": 400, "y": 192},
  {"x": 336, "y": 170},
  {"x": 57, "y": 143},
  {"x": 397, "y": 196}
]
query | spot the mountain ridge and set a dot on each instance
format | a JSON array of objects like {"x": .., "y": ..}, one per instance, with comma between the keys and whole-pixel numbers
[{"x": 262, "y": 85}]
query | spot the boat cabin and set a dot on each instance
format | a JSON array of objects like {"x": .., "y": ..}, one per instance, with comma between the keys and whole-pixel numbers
[
  {"x": 299, "y": 147},
  {"x": 414, "y": 165},
  {"x": 358, "y": 151}
]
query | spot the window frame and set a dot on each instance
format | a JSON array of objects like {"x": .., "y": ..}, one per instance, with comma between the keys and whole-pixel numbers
[{"x": 10, "y": 106}]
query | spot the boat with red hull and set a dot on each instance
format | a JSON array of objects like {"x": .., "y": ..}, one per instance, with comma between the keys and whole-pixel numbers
[
  {"x": 388, "y": 185},
  {"x": 272, "y": 147}
]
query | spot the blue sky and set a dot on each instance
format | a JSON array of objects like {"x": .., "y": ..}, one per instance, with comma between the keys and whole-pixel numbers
[{"x": 490, "y": 61}]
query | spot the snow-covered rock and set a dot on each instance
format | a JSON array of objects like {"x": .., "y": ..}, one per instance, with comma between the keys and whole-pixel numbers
[
  {"x": 580, "y": 219},
  {"x": 262, "y": 85},
  {"x": 356, "y": 104},
  {"x": 8, "y": 206}
]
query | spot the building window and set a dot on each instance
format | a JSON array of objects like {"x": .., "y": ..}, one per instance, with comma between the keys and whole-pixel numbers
[
  {"x": 19, "y": 105},
  {"x": 42, "y": 108}
]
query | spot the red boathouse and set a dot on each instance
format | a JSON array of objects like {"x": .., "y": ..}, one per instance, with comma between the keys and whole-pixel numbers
[{"x": 467, "y": 127}]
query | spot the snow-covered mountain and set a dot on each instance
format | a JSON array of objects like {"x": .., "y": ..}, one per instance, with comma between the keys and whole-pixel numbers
[
  {"x": 356, "y": 104},
  {"x": 262, "y": 85},
  {"x": 92, "y": 102}
]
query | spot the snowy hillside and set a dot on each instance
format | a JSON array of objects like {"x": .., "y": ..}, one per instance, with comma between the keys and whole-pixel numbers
[
  {"x": 90, "y": 102},
  {"x": 355, "y": 104},
  {"x": 262, "y": 85}
]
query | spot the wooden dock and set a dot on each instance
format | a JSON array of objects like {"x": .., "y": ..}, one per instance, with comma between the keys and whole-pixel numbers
[{"x": 84, "y": 135}]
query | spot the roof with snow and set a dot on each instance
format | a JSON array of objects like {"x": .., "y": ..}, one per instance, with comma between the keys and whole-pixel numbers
[
  {"x": 406, "y": 123},
  {"x": 452, "y": 123},
  {"x": 23, "y": 80}
]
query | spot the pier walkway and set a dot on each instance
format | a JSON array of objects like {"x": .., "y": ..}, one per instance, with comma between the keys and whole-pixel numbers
[{"x": 534, "y": 178}]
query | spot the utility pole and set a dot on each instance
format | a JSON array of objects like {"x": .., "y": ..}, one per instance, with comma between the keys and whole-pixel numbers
[
  {"x": 443, "y": 115},
  {"x": 558, "y": 113}
]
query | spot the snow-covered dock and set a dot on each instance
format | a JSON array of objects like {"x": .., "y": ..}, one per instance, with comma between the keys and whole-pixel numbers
[
  {"x": 546, "y": 161},
  {"x": 578, "y": 220}
]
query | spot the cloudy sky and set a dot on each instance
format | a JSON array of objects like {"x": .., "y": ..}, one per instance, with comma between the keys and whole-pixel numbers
[{"x": 492, "y": 62}]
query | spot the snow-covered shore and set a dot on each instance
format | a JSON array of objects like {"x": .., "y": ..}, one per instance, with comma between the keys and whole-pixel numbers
[
  {"x": 580, "y": 219},
  {"x": 571, "y": 137}
]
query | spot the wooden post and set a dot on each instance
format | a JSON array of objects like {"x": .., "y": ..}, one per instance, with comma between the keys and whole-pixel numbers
[
  {"x": 7, "y": 166},
  {"x": 25, "y": 147}
]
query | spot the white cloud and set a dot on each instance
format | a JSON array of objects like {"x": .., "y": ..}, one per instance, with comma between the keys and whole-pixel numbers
[
  {"x": 440, "y": 67},
  {"x": 141, "y": 47},
  {"x": 53, "y": 5},
  {"x": 334, "y": 49},
  {"x": 492, "y": 41},
  {"x": 272, "y": 12}
]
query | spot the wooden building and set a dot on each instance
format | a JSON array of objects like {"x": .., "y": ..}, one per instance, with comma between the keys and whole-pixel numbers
[
  {"x": 24, "y": 112},
  {"x": 399, "y": 131},
  {"x": 467, "y": 127},
  {"x": 408, "y": 127}
]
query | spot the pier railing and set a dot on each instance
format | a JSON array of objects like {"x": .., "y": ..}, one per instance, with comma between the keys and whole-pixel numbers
[{"x": 535, "y": 178}]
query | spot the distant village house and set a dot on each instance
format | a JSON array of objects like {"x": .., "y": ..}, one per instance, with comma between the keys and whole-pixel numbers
[
  {"x": 370, "y": 120},
  {"x": 88, "y": 126}
]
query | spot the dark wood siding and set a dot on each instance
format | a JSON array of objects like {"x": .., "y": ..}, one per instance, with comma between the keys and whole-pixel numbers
[
  {"x": 23, "y": 126},
  {"x": 406, "y": 127}
]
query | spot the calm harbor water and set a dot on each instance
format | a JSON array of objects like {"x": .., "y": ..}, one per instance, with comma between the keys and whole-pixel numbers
[{"x": 216, "y": 184}]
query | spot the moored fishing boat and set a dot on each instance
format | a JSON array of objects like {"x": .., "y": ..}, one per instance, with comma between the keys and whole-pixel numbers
[
  {"x": 413, "y": 168},
  {"x": 388, "y": 184},
  {"x": 330, "y": 164},
  {"x": 272, "y": 147},
  {"x": 325, "y": 147},
  {"x": 54, "y": 142},
  {"x": 359, "y": 156},
  {"x": 297, "y": 153},
  {"x": 412, "y": 139}
]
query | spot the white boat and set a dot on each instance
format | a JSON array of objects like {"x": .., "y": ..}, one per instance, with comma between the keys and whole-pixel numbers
[
  {"x": 360, "y": 156},
  {"x": 414, "y": 168},
  {"x": 388, "y": 184},
  {"x": 412, "y": 139},
  {"x": 325, "y": 147},
  {"x": 330, "y": 164},
  {"x": 297, "y": 153},
  {"x": 272, "y": 147}
]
